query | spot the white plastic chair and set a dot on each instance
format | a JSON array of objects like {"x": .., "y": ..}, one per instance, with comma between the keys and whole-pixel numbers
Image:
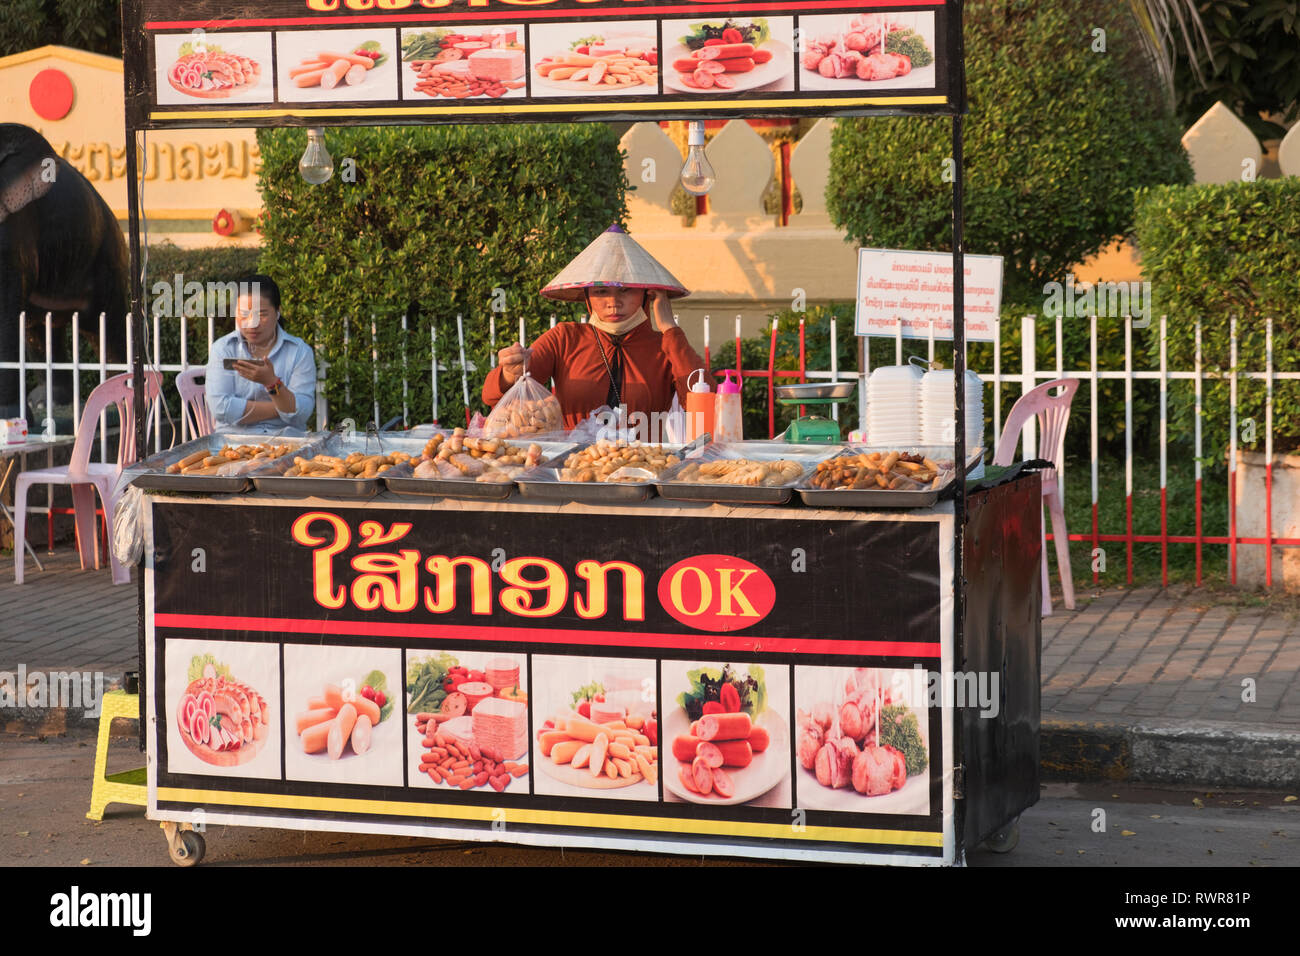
[
  {"x": 1053, "y": 412},
  {"x": 194, "y": 401},
  {"x": 87, "y": 477}
]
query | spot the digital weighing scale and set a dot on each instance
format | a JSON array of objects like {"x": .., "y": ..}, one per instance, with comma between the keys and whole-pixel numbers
[{"x": 814, "y": 428}]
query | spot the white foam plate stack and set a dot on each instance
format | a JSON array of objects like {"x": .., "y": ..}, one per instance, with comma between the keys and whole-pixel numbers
[
  {"x": 936, "y": 409},
  {"x": 893, "y": 405}
]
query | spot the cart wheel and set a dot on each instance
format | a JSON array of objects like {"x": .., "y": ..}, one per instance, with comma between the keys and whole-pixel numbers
[
  {"x": 189, "y": 850},
  {"x": 1005, "y": 840}
]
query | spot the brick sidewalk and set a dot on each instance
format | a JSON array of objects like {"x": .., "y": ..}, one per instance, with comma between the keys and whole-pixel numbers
[
  {"x": 1126, "y": 656},
  {"x": 64, "y": 618},
  {"x": 1122, "y": 657}
]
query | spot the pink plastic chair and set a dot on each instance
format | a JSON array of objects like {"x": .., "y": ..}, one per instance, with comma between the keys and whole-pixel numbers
[
  {"x": 194, "y": 400},
  {"x": 1053, "y": 412},
  {"x": 86, "y": 476}
]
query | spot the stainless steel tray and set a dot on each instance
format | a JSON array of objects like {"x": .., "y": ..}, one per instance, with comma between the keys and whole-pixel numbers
[
  {"x": 807, "y": 454},
  {"x": 534, "y": 485},
  {"x": 402, "y": 480},
  {"x": 279, "y": 484},
  {"x": 588, "y": 492},
  {"x": 156, "y": 477},
  {"x": 815, "y": 391},
  {"x": 881, "y": 497}
]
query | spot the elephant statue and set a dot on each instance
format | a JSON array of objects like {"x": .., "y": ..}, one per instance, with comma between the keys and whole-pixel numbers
[{"x": 61, "y": 251}]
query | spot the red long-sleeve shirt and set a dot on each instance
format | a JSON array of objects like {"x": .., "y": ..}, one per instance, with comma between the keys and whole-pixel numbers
[{"x": 654, "y": 365}]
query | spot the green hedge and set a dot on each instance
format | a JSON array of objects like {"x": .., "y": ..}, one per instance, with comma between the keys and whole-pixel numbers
[
  {"x": 1215, "y": 251},
  {"x": 435, "y": 220},
  {"x": 1057, "y": 139}
]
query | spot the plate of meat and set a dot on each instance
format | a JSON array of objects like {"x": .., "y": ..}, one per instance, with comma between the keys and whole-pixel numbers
[
  {"x": 229, "y": 66},
  {"x": 725, "y": 758},
  {"x": 860, "y": 747},
  {"x": 213, "y": 75}
]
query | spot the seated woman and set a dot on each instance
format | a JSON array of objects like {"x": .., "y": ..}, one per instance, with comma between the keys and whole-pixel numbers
[
  {"x": 260, "y": 378},
  {"x": 629, "y": 353}
]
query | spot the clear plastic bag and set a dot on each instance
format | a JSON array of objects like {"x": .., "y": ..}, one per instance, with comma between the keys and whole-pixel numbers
[
  {"x": 674, "y": 424},
  {"x": 128, "y": 527},
  {"x": 527, "y": 409}
]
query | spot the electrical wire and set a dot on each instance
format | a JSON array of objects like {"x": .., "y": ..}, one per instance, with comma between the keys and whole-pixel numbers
[{"x": 146, "y": 360}]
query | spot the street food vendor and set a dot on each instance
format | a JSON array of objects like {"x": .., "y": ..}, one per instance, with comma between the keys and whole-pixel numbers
[
  {"x": 630, "y": 352},
  {"x": 270, "y": 384}
]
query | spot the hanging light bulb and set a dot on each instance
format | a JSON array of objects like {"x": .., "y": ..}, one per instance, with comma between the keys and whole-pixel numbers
[
  {"x": 697, "y": 174},
  {"x": 316, "y": 166}
]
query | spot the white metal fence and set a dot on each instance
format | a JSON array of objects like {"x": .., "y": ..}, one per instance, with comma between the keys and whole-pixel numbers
[{"x": 450, "y": 358}]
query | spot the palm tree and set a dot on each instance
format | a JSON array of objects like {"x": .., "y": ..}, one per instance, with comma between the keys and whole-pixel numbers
[{"x": 1157, "y": 21}]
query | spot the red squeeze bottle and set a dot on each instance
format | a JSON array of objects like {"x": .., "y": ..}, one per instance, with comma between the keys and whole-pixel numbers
[{"x": 700, "y": 405}]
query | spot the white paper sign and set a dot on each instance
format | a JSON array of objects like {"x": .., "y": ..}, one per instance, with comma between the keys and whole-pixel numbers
[{"x": 914, "y": 289}]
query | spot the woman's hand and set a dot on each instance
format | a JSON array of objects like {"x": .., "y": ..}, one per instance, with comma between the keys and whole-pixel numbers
[
  {"x": 512, "y": 359},
  {"x": 260, "y": 372},
  {"x": 661, "y": 309}
]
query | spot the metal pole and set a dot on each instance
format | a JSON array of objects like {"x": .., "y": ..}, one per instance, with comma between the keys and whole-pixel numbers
[
  {"x": 958, "y": 74},
  {"x": 137, "y": 376}
]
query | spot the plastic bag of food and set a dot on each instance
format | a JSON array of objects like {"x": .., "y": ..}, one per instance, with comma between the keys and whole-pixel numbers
[
  {"x": 128, "y": 527},
  {"x": 527, "y": 409}
]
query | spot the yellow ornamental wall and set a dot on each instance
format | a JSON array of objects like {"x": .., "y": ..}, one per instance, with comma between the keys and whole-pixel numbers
[{"x": 188, "y": 176}]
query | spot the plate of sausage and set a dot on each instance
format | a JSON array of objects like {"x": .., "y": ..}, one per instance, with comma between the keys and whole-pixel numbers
[
  {"x": 725, "y": 759},
  {"x": 727, "y": 68}
]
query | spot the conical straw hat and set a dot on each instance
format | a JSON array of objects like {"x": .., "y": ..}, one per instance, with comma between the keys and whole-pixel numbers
[{"x": 613, "y": 259}]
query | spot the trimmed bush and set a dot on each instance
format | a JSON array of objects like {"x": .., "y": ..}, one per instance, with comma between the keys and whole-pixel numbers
[
  {"x": 430, "y": 222},
  {"x": 1057, "y": 139},
  {"x": 1215, "y": 251}
]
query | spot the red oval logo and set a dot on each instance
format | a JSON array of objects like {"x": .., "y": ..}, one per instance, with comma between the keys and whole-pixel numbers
[{"x": 716, "y": 592}]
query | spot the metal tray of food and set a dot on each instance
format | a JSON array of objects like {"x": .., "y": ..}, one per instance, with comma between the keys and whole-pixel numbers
[
  {"x": 402, "y": 479},
  {"x": 334, "y": 446},
  {"x": 671, "y": 486},
  {"x": 232, "y": 477},
  {"x": 544, "y": 482},
  {"x": 882, "y": 497},
  {"x": 815, "y": 391}
]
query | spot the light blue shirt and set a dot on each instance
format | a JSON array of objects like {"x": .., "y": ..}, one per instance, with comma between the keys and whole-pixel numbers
[{"x": 229, "y": 392}]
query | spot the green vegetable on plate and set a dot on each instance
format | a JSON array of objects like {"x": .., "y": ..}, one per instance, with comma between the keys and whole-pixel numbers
[{"x": 899, "y": 729}]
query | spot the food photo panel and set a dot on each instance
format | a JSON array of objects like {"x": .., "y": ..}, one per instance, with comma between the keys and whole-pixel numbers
[
  {"x": 729, "y": 55},
  {"x": 594, "y": 59},
  {"x": 222, "y": 702},
  {"x": 344, "y": 716},
  {"x": 867, "y": 51},
  {"x": 598, "y": 730},
  {"x": 467, "y": 721},
  {"x": 464, "y": 62},
  {"x": 327, "y": 66},
  {"x": 213, "y": 68},
  {"x": 726, "y": 728},
  {"x": 861, "y": 743}
]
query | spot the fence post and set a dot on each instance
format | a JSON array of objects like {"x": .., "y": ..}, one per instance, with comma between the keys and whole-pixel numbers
[
  {"x": 1028, "y": 379},
  {"x": 997, "y": 383},
  {"x": 1092, "y": 439}
]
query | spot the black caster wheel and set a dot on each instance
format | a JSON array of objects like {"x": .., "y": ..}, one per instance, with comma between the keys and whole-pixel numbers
[
  {"x": 1005, "y": 840},
  {"x": 191, "y": 849}
]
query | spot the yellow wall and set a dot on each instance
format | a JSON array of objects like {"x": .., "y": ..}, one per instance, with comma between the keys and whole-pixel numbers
[{"x": 192, "y": 174}]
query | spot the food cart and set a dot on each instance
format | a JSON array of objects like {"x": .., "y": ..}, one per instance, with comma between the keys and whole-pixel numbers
[{"x": 789, "y": 679}]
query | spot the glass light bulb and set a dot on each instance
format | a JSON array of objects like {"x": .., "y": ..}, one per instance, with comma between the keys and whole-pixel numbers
[
  {"x": 316, "y": 165},
  {"x": 697, "y": 172}
]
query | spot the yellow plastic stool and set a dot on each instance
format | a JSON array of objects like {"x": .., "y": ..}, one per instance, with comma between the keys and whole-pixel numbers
[{"x": 130, "y": 786}]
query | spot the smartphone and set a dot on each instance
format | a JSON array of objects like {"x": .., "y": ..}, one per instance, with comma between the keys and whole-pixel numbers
[{"x": 229, "y": 364}]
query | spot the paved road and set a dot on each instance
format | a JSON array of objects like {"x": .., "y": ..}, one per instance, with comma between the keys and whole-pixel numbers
[{"x": 44, "y": 791}]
